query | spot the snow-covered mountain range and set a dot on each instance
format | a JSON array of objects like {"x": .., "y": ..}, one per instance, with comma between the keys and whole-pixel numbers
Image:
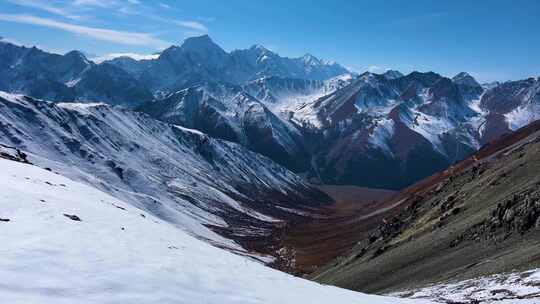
[
  {"x": 127, "y": 81},
  {"x": 312, "y": 116},
  {"x": 199, "y": 59},
  {"x": 69, "y": 77},
  {"x": 390, "y": 132},
  {"x": 384, "y": 131}
]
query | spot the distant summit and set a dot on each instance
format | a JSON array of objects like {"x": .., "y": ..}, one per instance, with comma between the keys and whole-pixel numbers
[
  {"x": 392, "y": 74},
  {"x": 465, "y": 78},
  {"x": 199, "y": 59}
]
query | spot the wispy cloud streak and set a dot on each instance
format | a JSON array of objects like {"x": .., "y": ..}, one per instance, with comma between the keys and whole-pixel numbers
[
  {"x": 103, "y": 34},
  {"x": 192, "y": 25},
  {"x": 45, "y": 6}
]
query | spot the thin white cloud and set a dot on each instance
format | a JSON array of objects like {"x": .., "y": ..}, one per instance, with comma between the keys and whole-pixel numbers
[
  {"x": 123, "y": 6},
  {"x": 120, "y": 37},
  {"x": 192, "y": 25},
  {"x": 164, "y": 5},
  {"x": 135, "y": 56},
  {"x": 95, "y": 3},
  {"x": 45, "y": 6}
]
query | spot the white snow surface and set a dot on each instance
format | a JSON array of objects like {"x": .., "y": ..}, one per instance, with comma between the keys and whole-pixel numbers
[
  {"x": 517, "y": 287},
  {"x": 291, "y": 99},
  {"x": 522, "y": 116},
  {"x": 11, "y": 96},
  {"x": 120, "y": 254},
  {"x": 383, "y": 131}
]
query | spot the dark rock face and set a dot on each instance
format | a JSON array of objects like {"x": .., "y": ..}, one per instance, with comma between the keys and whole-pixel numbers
[
  {"x": 519, "y": 214},
  {"x": 193, "y": 108},
  {"x": 495, "y": 126},
  {"x": 13, "y": 153},
  {"x": 507, "y": 96},
  {"x": 392, "y": 74},
  {"x": 112, "y": 85},
  {"x": 467, "y": 85}
]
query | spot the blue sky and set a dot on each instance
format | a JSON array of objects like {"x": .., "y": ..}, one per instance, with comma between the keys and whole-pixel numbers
[{"x": 493, "y": 40}]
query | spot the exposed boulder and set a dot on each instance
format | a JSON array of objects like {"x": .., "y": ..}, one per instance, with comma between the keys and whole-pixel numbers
[{"x": 72, "y": 217}]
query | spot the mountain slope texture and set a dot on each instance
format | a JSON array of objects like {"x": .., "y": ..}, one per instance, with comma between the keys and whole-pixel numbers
[{"x": 215, "y": 190}]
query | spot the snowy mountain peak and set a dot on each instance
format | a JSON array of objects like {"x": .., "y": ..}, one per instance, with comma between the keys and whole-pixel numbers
[
  {"x": 490, "y": 85},
  {"x": 462, "y": 75},
  {"x": 366, "y": 76},
  {"x": 424, "y": 78},
  {"x": 259, "y": 47},
  {"x": 311, "y": 60},
  {"x": 201, "y": 40},
  {"x": 197, "y": 44},
  {"x": 259, "y": 51},
  {"x": 466, "y": 79},
  {"x": 75, "y": 53},
  {"x": 392, "y": 74},
  {"x": 77, "y": 56}
]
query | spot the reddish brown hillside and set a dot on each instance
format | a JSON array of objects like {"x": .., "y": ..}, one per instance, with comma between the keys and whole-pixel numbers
[{"x": 315, "y": 242}]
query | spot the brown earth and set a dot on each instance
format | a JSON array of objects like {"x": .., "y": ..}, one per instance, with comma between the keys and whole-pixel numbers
[{"x": 312, "y": 242}]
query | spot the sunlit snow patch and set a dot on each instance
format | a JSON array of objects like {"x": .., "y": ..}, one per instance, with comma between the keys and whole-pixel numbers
[{"x": 522, "y": 116}]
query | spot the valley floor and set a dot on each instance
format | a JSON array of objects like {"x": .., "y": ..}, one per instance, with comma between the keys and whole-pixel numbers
[
  {"x": 65, "y": 242},
  {"x": 333, "y": 230}
]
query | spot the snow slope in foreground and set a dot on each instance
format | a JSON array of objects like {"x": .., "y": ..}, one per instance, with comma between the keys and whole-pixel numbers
[{"x": 120, "y": 254}]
